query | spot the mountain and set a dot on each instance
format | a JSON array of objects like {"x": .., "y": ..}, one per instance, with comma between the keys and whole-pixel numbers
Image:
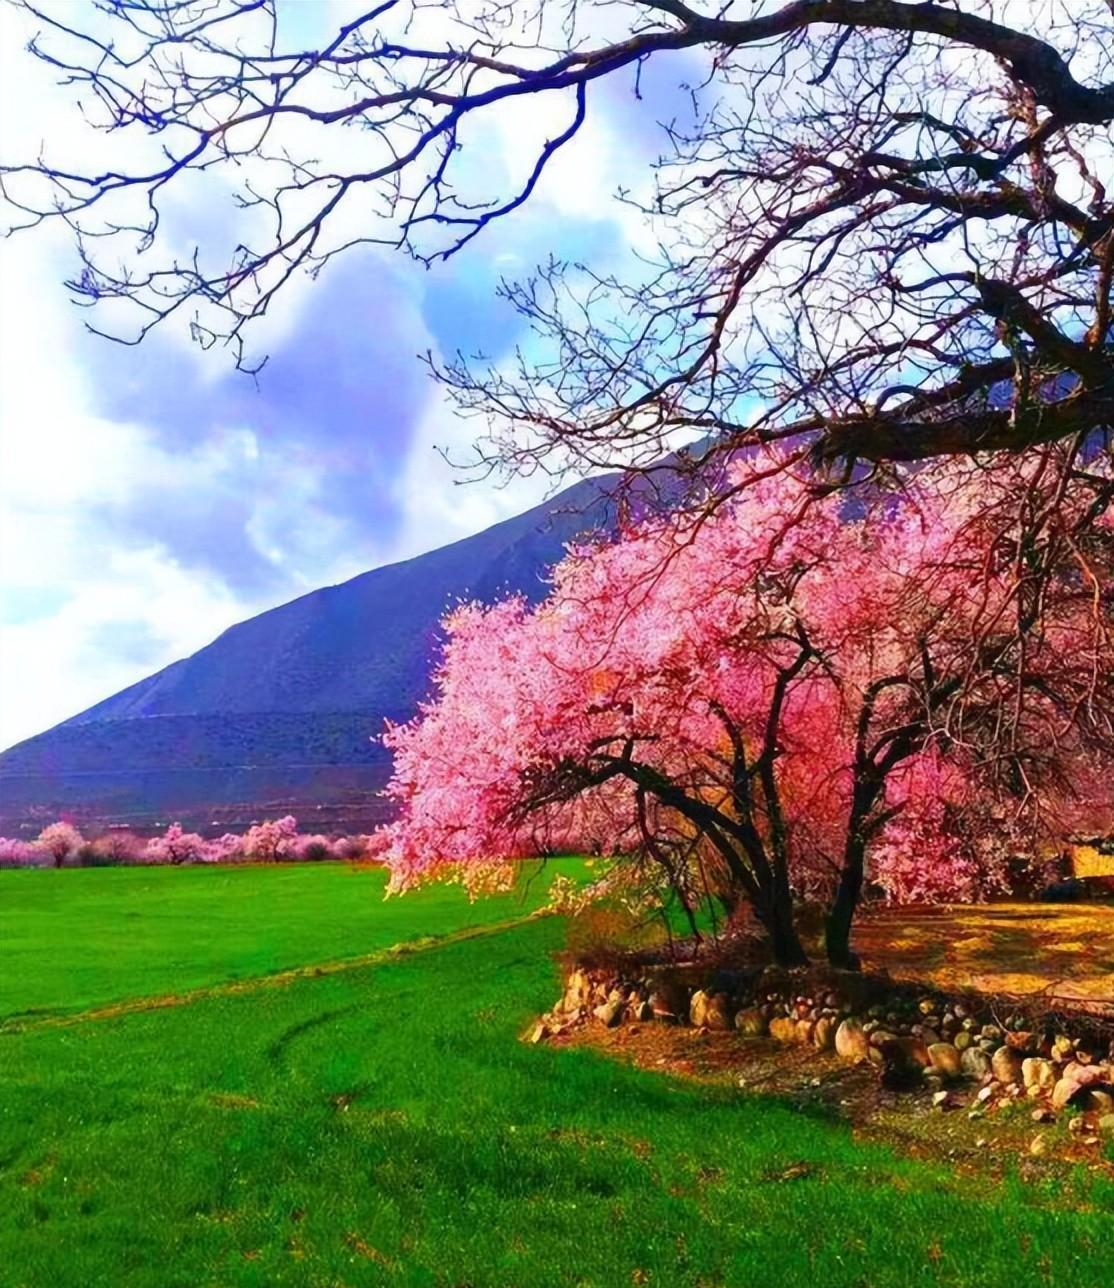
[{"x": 279, "y": 711}]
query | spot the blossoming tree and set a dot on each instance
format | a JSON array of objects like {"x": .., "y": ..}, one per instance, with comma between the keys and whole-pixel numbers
[
  {"x": 61, "y": 841},
  {"x": 790, "y": 694},
  {"x": 175, "y": 847}
]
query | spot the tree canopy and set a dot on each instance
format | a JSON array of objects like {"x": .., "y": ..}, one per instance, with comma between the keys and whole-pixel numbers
[
  {"x": 790, "y": 698},
  {"x": 885, "y": 232}
]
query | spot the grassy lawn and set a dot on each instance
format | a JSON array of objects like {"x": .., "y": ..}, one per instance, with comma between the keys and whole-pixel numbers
[
  {"x": 382, "y": 1125},
  {"x": 72, "y": 939}
]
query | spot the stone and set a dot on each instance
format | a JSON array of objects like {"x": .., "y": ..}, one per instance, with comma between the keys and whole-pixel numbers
[
  {"x": 879, "y": 1037},
  {"x": 751, "y": 1023},
  {"x": 1076, "y": 1078},
  {"x": 991, "y": 1032},
  {"x": 711, "y": 1011},
  {"x": 783, "y": 1029},
  {"x": 1062, "y": 1050},
  {"x": 1039, "y": 1073},
  {"x": 643, "y": 1012},
  {"x": 540, "y": 1032},
  {"x": 609, "y": 1014},
  {"x": 1005, "y": 1064},
  {"x": 962, "y": 1040},
  {"x": 578, "y": 991},
  {"x": 986, "y": 1094},
  {"x": 941, "y": 1099},
  {"x": 823, "y": 1035},
  {"x": 1099, "y": 1100},
  {"x": 1043, "y": 1115},
  {"x": 945, "y": 1059},
  {"x": 804, "y": 1031},
  {"x": 1038, "y": 1146},
  {"x": 1106, "y": 1124},
  {"x": 851, "y": 1042},
  {"x": 974, "y": 1063}
]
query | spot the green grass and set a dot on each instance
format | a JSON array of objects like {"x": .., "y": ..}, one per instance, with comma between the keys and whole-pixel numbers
[
  {"x": 73, "y": 939},
  {"x": 384, "y": 1126}
]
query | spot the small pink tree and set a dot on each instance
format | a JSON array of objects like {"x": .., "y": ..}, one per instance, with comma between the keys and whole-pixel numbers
[
  {"x": 312, "y": 849},
  {"x": 60, "y": 841},
  {"x": 228, "y": 848},
  {"x": 118, "y": 847},
  {"x": 271, "y": 840},
  {"x": 175, "y": 847},
  {"x": 15, "y": 853}
]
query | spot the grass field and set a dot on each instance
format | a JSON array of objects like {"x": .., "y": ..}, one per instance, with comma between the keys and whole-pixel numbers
[
  {"x": 72, "y": 939},
  {"x": 382, "y": 1124}
]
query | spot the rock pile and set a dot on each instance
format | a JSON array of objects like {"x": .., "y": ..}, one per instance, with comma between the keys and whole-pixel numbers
[{"x": 946, "y": 1045}]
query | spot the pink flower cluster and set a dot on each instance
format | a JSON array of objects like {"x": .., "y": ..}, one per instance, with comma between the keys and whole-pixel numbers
[{"x": 271, "y": 841}]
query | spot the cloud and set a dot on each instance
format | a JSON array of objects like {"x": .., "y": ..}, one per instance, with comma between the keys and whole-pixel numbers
[{"x": 151, "y": 496}]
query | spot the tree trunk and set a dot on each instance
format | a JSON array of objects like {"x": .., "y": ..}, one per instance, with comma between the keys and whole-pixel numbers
[
  {"x": 777, "y": 918},
  {"x": 837, "y": 932}
]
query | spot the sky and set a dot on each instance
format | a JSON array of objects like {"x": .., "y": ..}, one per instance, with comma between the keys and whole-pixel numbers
[{"x": 152, "y": 496}]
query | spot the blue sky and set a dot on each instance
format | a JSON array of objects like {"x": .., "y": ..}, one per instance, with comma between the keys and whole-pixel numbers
[{"x": 150, "y": 497}]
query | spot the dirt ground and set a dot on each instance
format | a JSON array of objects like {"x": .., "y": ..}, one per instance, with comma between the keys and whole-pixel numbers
[{"x": 1062, "y": 951}]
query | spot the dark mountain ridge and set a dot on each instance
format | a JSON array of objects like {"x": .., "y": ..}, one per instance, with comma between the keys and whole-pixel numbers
[{"x": 279, "y": 711}]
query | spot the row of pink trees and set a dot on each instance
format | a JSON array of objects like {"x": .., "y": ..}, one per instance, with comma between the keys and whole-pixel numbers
[
  {"x": 785, "y": 698},
  {"x": 272, "y": 841}
]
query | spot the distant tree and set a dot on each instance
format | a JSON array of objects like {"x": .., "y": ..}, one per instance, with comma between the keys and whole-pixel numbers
[
  {"x": 15, "y": 853},
  {"x": 228, "y": 848},
  {"x": 313, "y": 849},
  {"x": 353, "y": 848},
  {"x": 60, "y": 841},
  {"x": 791, "y": 699},
  {"x": 175, "y": 847},
  {"x": 271, "y": 840},
  {"x": 116, "y": 847},
  {"x": 886, "y": 232}
]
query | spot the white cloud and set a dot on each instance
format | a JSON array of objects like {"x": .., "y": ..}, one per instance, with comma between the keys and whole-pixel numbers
[{"x": 92, "y": 604}]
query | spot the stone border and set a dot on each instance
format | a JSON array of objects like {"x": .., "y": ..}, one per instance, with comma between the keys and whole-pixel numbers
[{"x": 911, "y": 1036}]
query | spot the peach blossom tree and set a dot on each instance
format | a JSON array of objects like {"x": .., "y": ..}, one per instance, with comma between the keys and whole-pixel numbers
[{"x": 798, "y": 698}]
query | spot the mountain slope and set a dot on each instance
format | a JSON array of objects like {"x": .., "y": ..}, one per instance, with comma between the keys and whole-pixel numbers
[{"x": 279, "y": 711}]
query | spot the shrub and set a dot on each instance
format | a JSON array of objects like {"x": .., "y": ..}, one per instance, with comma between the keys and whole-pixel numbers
[{"x": 313, "y": 849}]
